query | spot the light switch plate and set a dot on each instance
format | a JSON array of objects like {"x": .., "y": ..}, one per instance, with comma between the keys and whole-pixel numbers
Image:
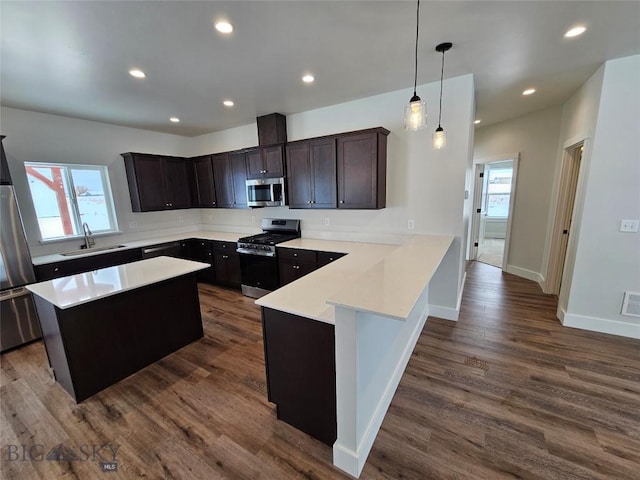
[{"x": 629, "y": 225}]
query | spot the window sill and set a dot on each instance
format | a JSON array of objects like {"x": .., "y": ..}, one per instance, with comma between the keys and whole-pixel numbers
[{"x": 75, "y": 238}]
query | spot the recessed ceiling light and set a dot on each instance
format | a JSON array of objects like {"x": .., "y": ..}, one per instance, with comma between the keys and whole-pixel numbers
[
  {"x": 174, "y": 119},
  {"x": 224, "y": 27},
  {"x": 134, "y": 72},
  {"x": 308, "y": 78},
  {"x": 575, "y": 31},
  {"x": 477, "y": 121},
  {"x": 228, "y": 103},
  {"x": 529, "y": 91}
]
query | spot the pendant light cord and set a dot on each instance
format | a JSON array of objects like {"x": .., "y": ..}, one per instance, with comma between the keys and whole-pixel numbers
[
  {"x": 441, "y": 77},
  {"x": 415, "y": 77}
]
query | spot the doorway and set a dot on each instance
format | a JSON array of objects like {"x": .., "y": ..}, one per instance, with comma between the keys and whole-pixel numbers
[
  {"x": 494, "y": 193},
  {"x": 564, "y": 216}
]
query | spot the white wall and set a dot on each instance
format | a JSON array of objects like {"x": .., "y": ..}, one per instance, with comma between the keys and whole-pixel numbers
[
  {"x": 579, "y": 115},
  {"x": 535, "y": 136},
  {"x": 607, "y": 261},
  {"x": 39, "y": 137}
]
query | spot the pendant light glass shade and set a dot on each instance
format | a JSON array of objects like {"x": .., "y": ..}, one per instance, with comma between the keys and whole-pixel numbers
[
  {"x": 415, "y": 114},
  {"x": 439, "y": 138}
]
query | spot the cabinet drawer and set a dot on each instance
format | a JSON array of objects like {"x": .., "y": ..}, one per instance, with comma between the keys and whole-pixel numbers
[
  {"x": 325, "y": 258},
  {"x": 306, "y": 256},
  {"x": 224, "y": 246}
]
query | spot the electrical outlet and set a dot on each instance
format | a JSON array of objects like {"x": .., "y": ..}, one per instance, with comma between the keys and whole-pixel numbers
[
  {"x": 326, "y": 222},
  {"x": 210, "y": 218},
  {"x": 253, "y": 219},
  {"x": 133, "y": 224},
  {"x": 181, "y": 219},
  {"x": 411, "y": 224},
  {"x": 629, "y": 225}
]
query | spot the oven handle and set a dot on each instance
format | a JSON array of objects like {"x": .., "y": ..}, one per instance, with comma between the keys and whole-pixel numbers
[{"x": 247, "y": 251}]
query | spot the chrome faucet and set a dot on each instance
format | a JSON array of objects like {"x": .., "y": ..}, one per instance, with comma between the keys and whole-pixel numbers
[{"x": 88, "y": 239}]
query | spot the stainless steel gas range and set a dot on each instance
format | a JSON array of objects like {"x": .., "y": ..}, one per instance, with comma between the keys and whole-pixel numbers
[{"x": 258, "y": 262}]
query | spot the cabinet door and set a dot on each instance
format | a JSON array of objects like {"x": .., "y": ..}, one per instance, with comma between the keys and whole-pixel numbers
[
  {"x": 265, "y": 162},
  {"x": 299, "y": 175},
  {"x": 323, "y": 171},
  {"x": 176, "y": 177},
  {"x": 238, "y": 164},
  {"x": 227, "y": 268},
  {"x": 203, "y": 185},
  {"x": 273, "y": 161},
  {"x": 223, "y": 180},
  {"x": 146, "y": 183},
  {"x": 255, "y": 164},
  {"x": 357, "y": 171}
]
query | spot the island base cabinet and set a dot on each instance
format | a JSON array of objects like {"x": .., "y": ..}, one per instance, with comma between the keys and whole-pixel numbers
[
  {"x": 301, "y": 372},
  {"x": 96, "y": 344}
]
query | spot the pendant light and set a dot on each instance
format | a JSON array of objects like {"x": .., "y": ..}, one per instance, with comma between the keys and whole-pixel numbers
[
  {"x": 415, "y": 112},
  {"x": 439, "y": 138}
]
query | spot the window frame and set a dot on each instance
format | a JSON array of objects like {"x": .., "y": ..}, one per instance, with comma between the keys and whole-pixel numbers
[{"x": 66, "y": 169}]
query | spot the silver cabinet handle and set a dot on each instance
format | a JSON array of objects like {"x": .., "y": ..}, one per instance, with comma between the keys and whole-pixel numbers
[
  {"x": 225, "y": 256},
  {"x": 295, "y": 254},
  {"x": 341, "y": 201}
]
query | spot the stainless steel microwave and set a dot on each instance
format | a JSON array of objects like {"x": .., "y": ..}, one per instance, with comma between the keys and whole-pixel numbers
[{"x": 266, "y": 192}]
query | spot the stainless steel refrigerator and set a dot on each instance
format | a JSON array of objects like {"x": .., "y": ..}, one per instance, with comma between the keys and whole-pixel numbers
[{"x": 18, "y": 318}]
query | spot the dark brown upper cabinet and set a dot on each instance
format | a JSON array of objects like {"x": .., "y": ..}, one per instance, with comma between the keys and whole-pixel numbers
[
  {"x": 265, "y": 162},
  {"x": 362, "y": 169},
  {"x": 203, "y": 190},
  {"x": 230, "y": 175},
  {"x": 5, "y": 175},
  {"x": 272, "y": 129},
  {"x": 157, "y": 182},
  {"x": 311, "y": 173}
]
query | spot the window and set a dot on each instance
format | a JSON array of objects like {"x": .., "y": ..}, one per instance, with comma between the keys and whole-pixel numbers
[
  {"x": 499, "y": 192},
  {"x": 66, "y": 196}
]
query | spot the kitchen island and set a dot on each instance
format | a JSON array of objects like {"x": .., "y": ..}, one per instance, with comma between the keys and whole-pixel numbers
[
  {"x": 337, "y": 340},
  {"x": 102, "y": 326}
]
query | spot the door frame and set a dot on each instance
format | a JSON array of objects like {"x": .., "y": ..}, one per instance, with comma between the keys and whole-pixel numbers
[
  {"x": 474, "y": 226},
  {"x": 570, "y": 184}
]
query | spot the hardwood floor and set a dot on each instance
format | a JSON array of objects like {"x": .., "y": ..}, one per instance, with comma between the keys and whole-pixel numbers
[{"x": 506, "y": 392}]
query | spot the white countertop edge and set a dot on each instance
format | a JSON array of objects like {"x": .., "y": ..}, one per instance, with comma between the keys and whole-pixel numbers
[{"x": 171, "y": 268}]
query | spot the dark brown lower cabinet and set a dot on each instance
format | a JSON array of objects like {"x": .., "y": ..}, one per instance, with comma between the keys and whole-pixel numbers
[
  {"x": 96, "y": 344},
  {"x": 301, "y": 372},
  {"x": 226, "y": 263}
]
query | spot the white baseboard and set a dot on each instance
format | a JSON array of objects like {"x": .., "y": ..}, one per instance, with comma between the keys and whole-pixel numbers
[
  {"x": 524, "y": 273},
  {"x": 602, "y": 325},
  {"x": 448, "y": 313}
]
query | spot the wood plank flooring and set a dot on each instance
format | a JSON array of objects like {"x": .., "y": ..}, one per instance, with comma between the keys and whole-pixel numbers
[{"x": 506, "y": 392}]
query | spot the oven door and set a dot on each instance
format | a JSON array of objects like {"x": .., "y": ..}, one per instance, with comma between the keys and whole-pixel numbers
[{"x": 259, "y": 274}]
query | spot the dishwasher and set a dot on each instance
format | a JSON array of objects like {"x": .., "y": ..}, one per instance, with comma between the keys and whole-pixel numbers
[{"x": 170, "y": 249}]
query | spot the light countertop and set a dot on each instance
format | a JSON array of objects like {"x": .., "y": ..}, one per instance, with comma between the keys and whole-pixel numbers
[
  {"x": 375, "y": 278},
  {"x": 201, "y": 234},
  {"x": 67, "y": 292}
]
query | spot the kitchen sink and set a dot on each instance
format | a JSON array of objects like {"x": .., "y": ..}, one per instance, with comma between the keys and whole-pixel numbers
[{"x": 84, "y": 251}]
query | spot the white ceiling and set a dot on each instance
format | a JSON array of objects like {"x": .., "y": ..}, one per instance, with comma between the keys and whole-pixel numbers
[{"x": 71, "y": 57}]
